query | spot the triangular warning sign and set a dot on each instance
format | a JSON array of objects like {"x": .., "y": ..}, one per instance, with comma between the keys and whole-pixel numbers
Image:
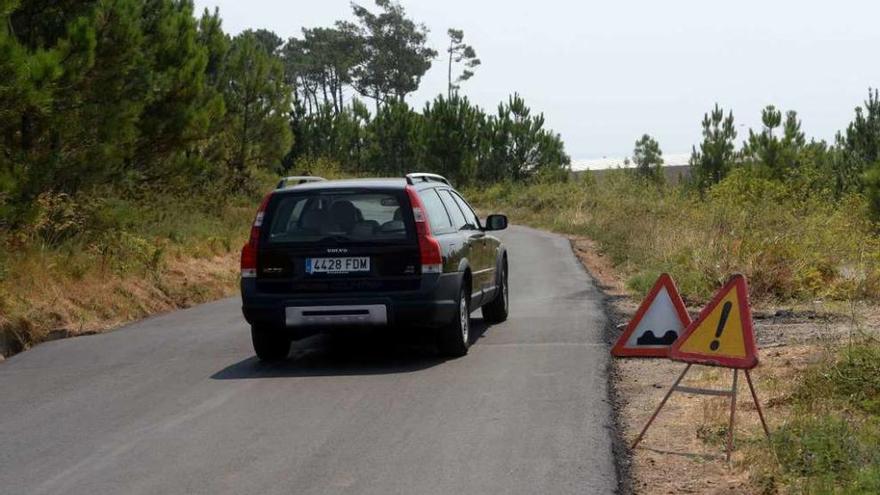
[
  {"x": 722, "y": 335},
  {"x": 660, "y": 320}
]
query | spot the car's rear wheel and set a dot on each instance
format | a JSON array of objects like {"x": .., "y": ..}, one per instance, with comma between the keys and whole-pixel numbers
[
  {"x": 454, "y": 339},
  {"x": 270, "y": 345},
  {"x": 496, "y": 311}
]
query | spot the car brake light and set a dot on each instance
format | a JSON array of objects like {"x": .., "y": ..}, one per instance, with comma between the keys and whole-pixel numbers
[
  {"x": 249, "y": 251},
  {"x": 429, "y": 247}
]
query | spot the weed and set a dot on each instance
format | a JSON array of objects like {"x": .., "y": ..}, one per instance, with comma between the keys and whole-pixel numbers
[
  {"x": 851, "y": 378},
  {"x": 109, "y": 255},
  {"x": 715, "y": 435},
  {"x": 828, "y": 444},
  {"x": 827, "y": 454}
]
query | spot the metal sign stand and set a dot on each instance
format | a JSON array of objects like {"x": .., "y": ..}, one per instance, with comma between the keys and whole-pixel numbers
[{"x": 702, "y": 391}]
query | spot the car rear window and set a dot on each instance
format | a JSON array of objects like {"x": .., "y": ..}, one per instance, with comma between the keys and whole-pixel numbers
[{"x": 338, "y": 217}]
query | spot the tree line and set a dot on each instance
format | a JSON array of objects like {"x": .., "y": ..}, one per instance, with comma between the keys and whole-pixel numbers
[
  {"x": 141, "y": 93},
  {"x": 779, "y": 151},
  {"x": 382, "y": 57},
  {"x": 450, "y": 136}
]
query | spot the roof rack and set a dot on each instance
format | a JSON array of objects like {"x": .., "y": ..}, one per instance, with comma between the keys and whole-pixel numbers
[
  {"x": 296, "y": 180},
  {"x": 411, "y": 179}
]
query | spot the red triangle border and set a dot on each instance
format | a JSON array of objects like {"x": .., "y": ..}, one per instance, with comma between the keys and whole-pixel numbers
[{"x": 620, "y": 348}]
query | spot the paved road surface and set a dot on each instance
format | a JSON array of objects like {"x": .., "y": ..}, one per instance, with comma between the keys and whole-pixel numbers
[{"x": 178, "y": 404}]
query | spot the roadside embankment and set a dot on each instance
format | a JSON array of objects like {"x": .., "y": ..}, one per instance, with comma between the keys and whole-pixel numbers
[
  {"x": 92, "y": 262},
  {"x": 818, "y": 384}
]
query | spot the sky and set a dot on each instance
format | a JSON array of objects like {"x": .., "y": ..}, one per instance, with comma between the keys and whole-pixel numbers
[{"x": 606, "y": 72}]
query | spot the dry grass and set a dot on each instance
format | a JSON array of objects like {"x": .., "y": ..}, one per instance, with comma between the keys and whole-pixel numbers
[
  {"x": 91, "y": 263},
  {"x": 791, "y": 246},
  {"x": 48, "y": 304}
]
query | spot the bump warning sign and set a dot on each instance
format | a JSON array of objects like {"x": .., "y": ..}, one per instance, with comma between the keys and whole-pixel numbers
[
  {"x": 722, "y": 335},
  {"x": 659, "y": 321}
]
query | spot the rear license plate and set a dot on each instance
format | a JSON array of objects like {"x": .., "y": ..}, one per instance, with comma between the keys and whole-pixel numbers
[{"x": 337, "y": 265}]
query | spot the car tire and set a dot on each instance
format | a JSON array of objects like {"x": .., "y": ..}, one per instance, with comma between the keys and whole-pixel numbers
[
  {"x": 453, "y": 340},
  {"x": 496, "y": 310},
  {"x": 270, "y": 345}
]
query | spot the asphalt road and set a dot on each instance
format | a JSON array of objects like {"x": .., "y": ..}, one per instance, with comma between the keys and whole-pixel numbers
[{"x": 178, "y": 404}]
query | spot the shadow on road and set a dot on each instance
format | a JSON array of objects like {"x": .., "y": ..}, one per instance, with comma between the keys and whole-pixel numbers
[{"x": 356, "y": 353}]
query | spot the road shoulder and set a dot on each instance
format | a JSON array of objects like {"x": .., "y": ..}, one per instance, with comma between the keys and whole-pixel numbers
[{"x": 684, "y": 450}]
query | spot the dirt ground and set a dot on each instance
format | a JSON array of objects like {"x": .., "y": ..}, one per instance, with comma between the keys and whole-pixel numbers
[{"x": 684, "y": 450}]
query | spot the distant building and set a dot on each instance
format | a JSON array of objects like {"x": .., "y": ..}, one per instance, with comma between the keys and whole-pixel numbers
[
  {"x": 669, "y": 160},
  {"x": 676, "y": 166}
]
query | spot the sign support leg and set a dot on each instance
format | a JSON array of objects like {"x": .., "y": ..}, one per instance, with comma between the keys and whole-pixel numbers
[
  {"x": 732, "y": 415},
  {"x": 662, "y": 403},
  {"x": 757, "y": 404}
]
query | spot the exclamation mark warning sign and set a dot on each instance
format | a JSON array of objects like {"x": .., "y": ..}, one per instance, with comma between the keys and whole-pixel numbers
[{"x": 722, "y": 335}]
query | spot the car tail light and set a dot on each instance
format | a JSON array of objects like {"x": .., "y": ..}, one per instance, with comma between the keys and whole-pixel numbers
[
  {"x": 429, "y": 247},
  {"x": 249, "y": 251}
]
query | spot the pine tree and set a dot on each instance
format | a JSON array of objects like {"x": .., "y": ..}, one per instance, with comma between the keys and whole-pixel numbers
[
  {"x": 450, "y": 138},
  {"x": 393, "y": 136},
  {"x": 777, "y": 156},
  {"x": 180, "y": 104},
  {"x": 460, "y": 53},
  {"x": 522, "y": 145},
  {"x": 717, "y": 152},
  {"x": 648, "y": 158},
  {"x": 257, "y": 108},
  {"x": 396, "y": 55}
]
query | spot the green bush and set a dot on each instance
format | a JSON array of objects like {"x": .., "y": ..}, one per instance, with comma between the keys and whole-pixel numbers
[
  {"x": 823, "y": 449},
  {"x": 827, "y": 454},
  {"x": 867, "y": 481},
  {"x": 852, "y": 378},
  {"x": 828, "y": 445}
]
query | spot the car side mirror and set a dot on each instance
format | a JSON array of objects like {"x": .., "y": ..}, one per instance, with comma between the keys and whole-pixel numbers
[{"x": 496, "y": 222}]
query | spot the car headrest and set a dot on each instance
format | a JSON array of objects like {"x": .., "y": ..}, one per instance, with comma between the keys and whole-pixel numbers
[
  {"x": 345, "y": 214},
  {"x": 365, "y": 229},
  {"x": 312, "y": 220}
]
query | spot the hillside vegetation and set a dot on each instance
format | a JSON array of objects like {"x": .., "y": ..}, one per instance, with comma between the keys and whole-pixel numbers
[
  {"x": 790, "y": 246},
  {"x": 798, "y": 218},
  {"x": 93, "y": 262}
]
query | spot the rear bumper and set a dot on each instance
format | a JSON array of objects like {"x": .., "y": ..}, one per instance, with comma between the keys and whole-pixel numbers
[
  {"x": 433, "y": 305},
  {"x": 328, "y": 316}
]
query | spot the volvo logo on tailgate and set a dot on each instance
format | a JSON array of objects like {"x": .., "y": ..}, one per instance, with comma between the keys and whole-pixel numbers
[{"x": 337, "y": 250}]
